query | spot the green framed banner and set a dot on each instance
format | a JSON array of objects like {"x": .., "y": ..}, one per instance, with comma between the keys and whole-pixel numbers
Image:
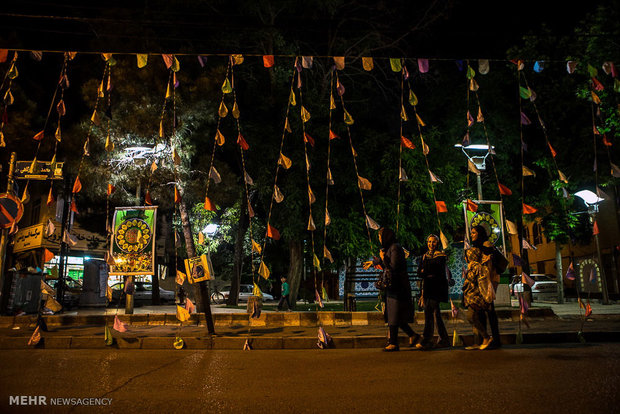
[
  {"x": 133, "y": 241},
  {"x": 489, "y": 215}
]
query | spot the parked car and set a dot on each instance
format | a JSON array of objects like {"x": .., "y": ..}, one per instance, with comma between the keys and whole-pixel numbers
[
  {"x": 245, "y": 291},
  {"x": 545, "y": 287},
  {"x": 72, "y": 291},
  {"x": 143, "y": 293}
]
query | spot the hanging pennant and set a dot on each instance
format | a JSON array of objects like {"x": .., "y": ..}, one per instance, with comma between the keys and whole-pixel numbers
[
  {"x": 285, "y": 161},
  {"x": 177, "y": 195},
  {"x": 222, "y": 110},
  {"x": 570, "y": 272},
  {"x": 527, "y": 209},
  {"x": 473, "y": 85},
  {"x": 256, "y": 247},
  {"x": 553, "y": 153},
  {"x": 248, "y": 180},
  {"x": 413, "y": 99},
  {"x": 470, "y": 119},
  {"x": 147, "y": 198},
  {"x": 305, "y": 115},
  {"x": 444, "y": 240},
  {"x": 219, "y": 138},
  {"x": 328, "y": 219},
  {"x": 539, "y": 65},
  {"x": 465, "y": 142},
  {"x": 420, "y": 120},
  {"x": 402, "y": 175},
  {"x": 109, "y": 145},
  {"x": 525, "y": 279},
  {"x": 471, "y": 206},
  {"x": 58, "y": 134},
  {"x": 470, "y": 72},
  {"x": 182, "y": 314},
  {"x": 308, "y": 139},
  {"x": 441, "y": 207},
  {"x": 95, "y": 118},
  {"x": 367, "y": 63},
  {"x": 50, "y": 198},
  {"x": 472, "y": 167},
  {"x": 571, "y": 65},
  {"x": 277, "y": 194},
  {"x": 237, "y": 59},
  {"x": 371, "y": 223},
  {"x": 86, "y": 148},
  {"x": 483, "y": 66},
  {"x": 525, "y": 93},
  {"x": 153, "y": 167},
  {"x": 35, "y": 338},
  {"x": 272, "y": 232},
  {"x": 110, "y": 190},
  {"x": 615, "y": 170},
  {"x": 480, "y": 117},
  {"x": 562, "y": 177},
  {"x": 38, "y": 136},
  {"x": 142, "y": 60},
  {"x": 396, "y": 64},
  {"x": 595, "y": 230},
  {"x": 176, "y": 66},
  {"x": 434, "y": 178},
  {"x": 263, "y": 270},
  {"x": 327, "y": 254},
  {"x": 339, "y": 88},
  {"x": 209, "y": 205},
  {"x": 235, "y": 111},
  {"x": 250, "y": 210},
  {"x": 339, "y": 62},
  {"x": 348, "y": 119},
  {"x": 526, "y": 245},
  {"x": 317, "y": 264},
  {"x": 526, "y": 172},
  {"x": 606, "y": 142},
  {"x": 226, "y": 86},
  {"x": 268, "y": 61},
  {"x": 524, "y": 119},
  {"x": 332, "y": 102},
  {"x": 215, "y": 175},
  {"x": 330, "y": 180},
  {"x": 306, "y": 62},
  {"x": 77, "y": 185},
  {"x": 242, "y": 143},
  {"x": 423, "y": 65},
  {"x": 503, "y": 190},
  {"x": 403, "y": 114},
  {"x": 287, "y": 126},
  {"x": 311, "y": 226},
  {"x": 161, "y": 128},
  {"x": 176, "y": 159},
  {"x": 332, "y": 135},
  {"x": 363, "y": 183}
]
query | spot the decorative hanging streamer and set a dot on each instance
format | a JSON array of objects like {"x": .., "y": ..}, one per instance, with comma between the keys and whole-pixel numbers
[
  {"x": 50, "y": 198},
  {"x": 525, "y": 279},
  {"x": 363, "y": 183},
  {"x": 268, "y": 61},
  {"x": 272, "y": 232},
  {"x": 402, "y": 176},
  {"x": 256, "y": 247},
  {"x": 395, "y": 64},
  {"x": 311, "y": 226},
  {"x": 222, "y": 110},
  {"x": 423, "y": 65},
  {"x": 208, "y": 205},
  {"x": 539, "y": 65},
  {"x": 348, "y": 119},
  {"x": 444, "y": 240},
  {"x": 367, "y": 63},
  {"x": 242, "y": 143},
  {"x": 480, "y": 117},
  {"x": 595, "y": 228},
  {"x": 263, "y": 270},
  {"x": 471, "y": 206},
  {"x": 420, "y": 122},
  {"x": 177, "y": 195},
  {"x": 570, "y": 272},
  {"x": 571, "y": 65},
  {"x": 524, "y": 119},
  {"x": 77, "y": 185},
  {"x": 371, "y": 223},
  {"x": 142, "y": 60},
  {"x": 527, "y": 172},
  {"x": 405, "y": 142},
  {"x": 308, "y": 139},
  {"x": 339, "y": 62},
  {"x": 434, "y": 178},
  {"x": 248, "y": 180},
  {"x": 562, "y": 177},
  {"x": 441, "y": 207},
  {"x": 306, "y": 62},
  {"x": 226, "y": 86},
  {"x": 219, "y": 138},
  {"x": 215, "y": 175},
  {"x": 503, "y": 190},
  {"x": 483, "y": 66},
  {"x": 527, "y": 209}
]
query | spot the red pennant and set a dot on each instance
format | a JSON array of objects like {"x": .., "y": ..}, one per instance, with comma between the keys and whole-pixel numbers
[
  {"x": 38, "y": 136},
  {"x": 268, "y": 61},
  {"x": 74, "y": 207},
  {"x": 527, "y": 209},
  {"x": 209, "y": 206},
  {"x": 50, "y": 198},
  {"x": 4, "y": 53},
  {"x": 177, "y": 195},
  {"x": 242, "y": 143},
  {"x": 606, "y": 142},
  {"x": 77, "y": 185},
  {"x": 471, "y": 206},
  {"x": 406, "y": 143},
  {"x": 553, "y": 153},
  {"x": 308, "y": 139},
  {"x": 503, "y": 190},
  {"x": 441, "y": 207},
  {"x": 273, "y": 232},
  {"x": 47, "y": 255},
  {"x": 111, "y": 189},
  {"x": 588, "y": 310},
  {"x": 61, "y": 108},
  {"x": 595, "y": 229},
  {"x": 147, "y": 198},
  {"x": 168, "y": 59},
  {"x": 597, "y": 85},
  {"x": 332, "y": 135}
]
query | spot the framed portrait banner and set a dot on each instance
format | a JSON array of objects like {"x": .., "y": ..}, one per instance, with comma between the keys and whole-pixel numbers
[
  {"x": 197, "y": 269},
  {"x": 490, "y": 216},
  {"x": 133, "y": 241}
]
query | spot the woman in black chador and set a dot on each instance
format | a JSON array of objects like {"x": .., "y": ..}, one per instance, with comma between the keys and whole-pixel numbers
[
  {"x": 399, "y": 307},
  {"x": 432, "y": 270}
]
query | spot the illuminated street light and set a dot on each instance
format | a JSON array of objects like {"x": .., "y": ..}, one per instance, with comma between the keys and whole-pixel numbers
[{"x": 477, "y": 154}]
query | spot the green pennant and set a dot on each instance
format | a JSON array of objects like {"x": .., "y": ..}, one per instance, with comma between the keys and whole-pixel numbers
[
  {"x": 176, "y": 66},
  {"x": 226, "y": 86},
  {"x": 525, "y": 93},
  {"x": 413, "y": 100},
  {"x": 396, "y": 65},
  {"x": 109, "y": 339},
  {"x": 470, "y": 72},
  {"x": 348, "y": 119},
  {"x": 617, "y": 85},
  {"x": 593, "y": 71}
]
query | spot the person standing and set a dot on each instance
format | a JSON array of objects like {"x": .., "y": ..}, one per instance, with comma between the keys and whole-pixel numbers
[
  {"x": 480, "y": 240},
  {"x": 476, "y": 277},
  {"x": 395, "y": 282},
  {"x": 432, "y": 270},
  {"x": 286, "y": 290}
]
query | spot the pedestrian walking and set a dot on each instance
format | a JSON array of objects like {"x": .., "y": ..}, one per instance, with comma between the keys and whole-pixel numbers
[
  {"x": 475, "y": 286},
  {"x": 395, "y": 282},
  {"x": 285, "y": 292},
  {"x": 432, "y": 270}
]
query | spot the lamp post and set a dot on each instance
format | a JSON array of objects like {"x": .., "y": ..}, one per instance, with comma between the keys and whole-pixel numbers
[
  {"x": 477, "y": 154},
  {"x": 592, "y": 201}
]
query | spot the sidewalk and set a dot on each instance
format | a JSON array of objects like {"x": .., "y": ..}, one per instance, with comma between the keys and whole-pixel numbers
[{"x": 156, "y": 328}]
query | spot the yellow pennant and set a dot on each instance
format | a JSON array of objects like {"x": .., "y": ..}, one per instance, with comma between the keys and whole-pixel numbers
[
  {"x": 473, "y": 85},
  {"x": 348, "y": 119},
  {"x": 403, "y": 114},
  {"x": 277, "y": 194},
  {"x": 444, "y": 240},
  {"x": 327, "y": 254},
  {"x": 332, "y": 103},
  {"x": 371, "y": 223},
  {"x": 161, "y": 128},
  {"x": 219, "y": 138},
  {"x": 311, "y": 196},
  {"x": 420, "y": 120},
  {"x": 562, "y": 177},
  {"x": 201, "y": 238},
  {"x": 595, "y": 98},
  {"x": 339, "y": 61},
  {"x": 95, "y": 118},
  {"x": 256, "y": 291},
  {"x": 2, "y": 142},
  {"x": 143, "y": 59},
  {"x": 413, "y": 100},
  {"x": 180, "y": 278},
  {"x": 182, "y": 314},
  {"x": 176, "y": 66},
  {"x": 330, "y": 180},
  {"x": 100, "y": 92},
  {"x": 235, "y": 111},
  {"x": 284, "y": 161},
  {"x": 527, "y": 172},
  {"x": 175, "y": 157},
  {"x": 367, "y": 63},
  {"x": 153, "y": 167},
  {"x": 305, "y": 115},
  {"x": 511, "y": 227},
  {"x": 58, "y": 134},
  {"x": 226, "y": 86},
  {"x": 109, "y": 145},
  {"x": 480, "y": 117},
  {"x": 52, "y": 305},
  {"x": 425, "y": 148},
  {"x": 222, "y": 111},
  {"x": 311, "y": 226},
  {"x": 168, "y": 91},
  {"x": 256, "y": 247},
  {"x": 263, "y": 270},
  {"x": 8, "y": 97},
  {"x": 328, "y": 219},
  {"x": 316, "y": 262},
  {"x": 287, "y": 126},
  {"x": 237, "y": 59},
  {"x": 363, "y": 183},
  {"x": 291, "y": 98}
]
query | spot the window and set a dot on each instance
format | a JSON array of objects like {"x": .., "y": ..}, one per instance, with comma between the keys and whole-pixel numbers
[
  {"x": 537, "y": 236},
  {"x": 526, "y": 233}
]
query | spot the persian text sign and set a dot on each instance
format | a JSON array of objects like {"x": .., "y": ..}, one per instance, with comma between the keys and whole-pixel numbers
[{"x": 133, "y": 241}]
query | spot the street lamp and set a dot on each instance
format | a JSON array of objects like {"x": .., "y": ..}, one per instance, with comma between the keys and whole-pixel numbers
[
  {"x": 592, "y": 201},
  {"x": 477, "y": 154}
]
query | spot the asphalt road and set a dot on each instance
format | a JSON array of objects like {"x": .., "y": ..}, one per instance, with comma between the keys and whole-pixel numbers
[{"x": 524, "y": 379}]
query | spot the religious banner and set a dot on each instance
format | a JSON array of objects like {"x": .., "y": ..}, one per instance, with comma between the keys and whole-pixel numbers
[
  {"x": 133, "y": 241},
  {"x": 489, "y": 215},
  {"x": 197, "y": 269}
]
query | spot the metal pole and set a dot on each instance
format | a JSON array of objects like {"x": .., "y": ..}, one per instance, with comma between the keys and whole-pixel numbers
[
  {"x": 4, "y": 238},
  {"x": 64, "y": 250},
  {"x": 600, "y": 264},
  {"x": 479, "y": 183}
]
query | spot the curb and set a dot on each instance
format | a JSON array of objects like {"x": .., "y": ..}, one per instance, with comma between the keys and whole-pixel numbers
[{"x": 276, "y": 342}]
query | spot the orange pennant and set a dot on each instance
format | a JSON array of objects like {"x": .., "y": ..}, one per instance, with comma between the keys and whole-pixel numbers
[
  {"x": 50, "y": 198},
  {"x": 553, "y": 153},
  {"x": 47, "y": 255},
  {"x": 527, "y": 209},
  {"x": 209, "y": 206},
  {"x": 595, "y": 229},
  {"x": 406, "y": 143},
  {"x": 111, "y": 189},
  {"x": 242, "y": 143},
  {"x": 503, "y": 190},
  {"x": 268, "y": 61},
  {"x": 441, "y": 207},
  {"x": 332, "y": 135},
  {"x": 273, "y": 232},
  {"x": 471, "y": 206},
  {"x": 308, "y": 139},
  {"x": 38, "y": 136},
  {"x": 74, "y": 207},
  {"x": 77, "y": 185},
  {"x": 177, "y": 195},
  {"x": 606, "y": 142},
  {"x": 147, "y": 198}
]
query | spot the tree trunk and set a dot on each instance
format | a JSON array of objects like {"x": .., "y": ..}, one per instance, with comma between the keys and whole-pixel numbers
[
  {"x": 233, "y": 297},
  {"x": 296, "y": 262},
  {"x": 559, "y": 271}
]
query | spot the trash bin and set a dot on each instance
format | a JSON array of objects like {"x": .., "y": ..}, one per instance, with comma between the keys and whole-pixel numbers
[{"x": 25, "y": 294}]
